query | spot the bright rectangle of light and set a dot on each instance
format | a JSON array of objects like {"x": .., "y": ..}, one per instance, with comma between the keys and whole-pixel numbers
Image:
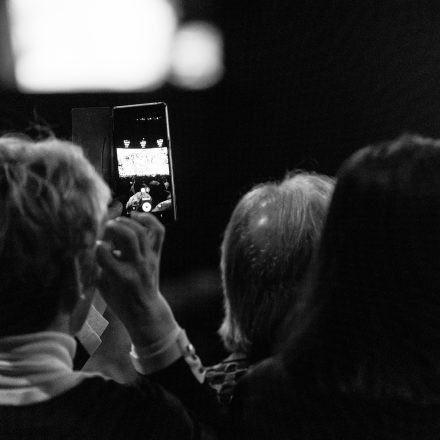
[
  {"x": 142, "y": 161},
  {"x": 90, "y": 45}
]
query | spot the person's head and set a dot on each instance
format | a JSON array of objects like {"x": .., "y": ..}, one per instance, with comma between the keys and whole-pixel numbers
[
  {"x": 266, "y": 250},
  {"x": 52, "y": 205},
  {"x": 372, "y": 312},
  {"x": 157, "y": 191}
]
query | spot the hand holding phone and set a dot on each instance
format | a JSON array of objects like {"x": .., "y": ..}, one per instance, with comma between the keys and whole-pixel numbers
[{"x": 129, "y": 256}]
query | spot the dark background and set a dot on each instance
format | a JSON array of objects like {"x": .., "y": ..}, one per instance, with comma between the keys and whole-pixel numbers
[{"x": 306, "y": 84}]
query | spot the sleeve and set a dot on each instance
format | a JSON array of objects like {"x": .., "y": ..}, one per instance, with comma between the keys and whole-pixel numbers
[
  {"x": 197, "y": 397},
  {"x": 172, "y": 419},
  {"x": 145, "y": 410},
  {"x": 153, "y": 358},
  {"x": 174, "y": 364}
]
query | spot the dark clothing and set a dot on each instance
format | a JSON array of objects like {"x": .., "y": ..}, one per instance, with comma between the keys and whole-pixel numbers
[
  {"x": 270, "y": 404},
  {"x": 99, "y": 408},
  {"x": 199, "y": 398}
]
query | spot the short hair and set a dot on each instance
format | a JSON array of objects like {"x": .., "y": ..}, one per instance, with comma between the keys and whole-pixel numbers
[
  {"x": 371, "y": 320},
  {"x": 52, "y": 203},
  {"x": 266, "y": 250}
]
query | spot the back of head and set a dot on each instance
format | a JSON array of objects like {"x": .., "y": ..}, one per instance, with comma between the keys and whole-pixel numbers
[
  {"x": 372, "y": 310},
  {"x": 52, "y": 202},
  {"x": 157, "y": 190},
  {"x": 266, "y": 250}
]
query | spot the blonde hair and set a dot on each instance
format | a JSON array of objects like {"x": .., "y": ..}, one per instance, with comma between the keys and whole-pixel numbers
[
  {"x": 266, "y": 250},
  {"x": 52, "y": 202}
]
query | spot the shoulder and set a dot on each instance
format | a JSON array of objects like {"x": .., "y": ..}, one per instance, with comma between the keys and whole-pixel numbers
[
  {"x": 262, "y": 404},
  {"x": 135, "y": 408},
  {"x": 266, "y": 375},
  {"x": 104, "y": 409}
]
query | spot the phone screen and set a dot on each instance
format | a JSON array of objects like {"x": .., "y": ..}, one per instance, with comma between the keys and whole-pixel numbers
[{"x": 142, "y": 145}]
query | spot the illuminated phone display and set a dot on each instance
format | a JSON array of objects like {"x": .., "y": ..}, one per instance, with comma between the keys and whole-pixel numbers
[{"x": 142, "y": 144}]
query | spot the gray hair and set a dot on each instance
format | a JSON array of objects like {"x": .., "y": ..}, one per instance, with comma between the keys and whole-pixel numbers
[
  {"x": 52, "y": 203},
  {"x": 266, "y": 250}
]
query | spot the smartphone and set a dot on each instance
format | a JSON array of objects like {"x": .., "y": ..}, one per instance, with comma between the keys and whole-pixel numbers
[{"x": 144, "y": 180}]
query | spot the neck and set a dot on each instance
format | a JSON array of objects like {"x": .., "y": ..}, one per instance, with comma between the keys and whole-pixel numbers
[
  {"x": 36, "y": 367},
  {"x": 61, "y": 324}
]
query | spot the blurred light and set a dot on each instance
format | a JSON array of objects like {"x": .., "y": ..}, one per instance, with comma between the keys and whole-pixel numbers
[
  {"x": 198, "y": 56},
  {"x": 89, "y": 45}
]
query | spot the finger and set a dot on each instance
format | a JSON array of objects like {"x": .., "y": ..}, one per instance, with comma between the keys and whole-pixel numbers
[
  {"x": 140, "y": 231},
  {"x": 124, "y": 239},
  {"x": 114, "y": 209},
  {"x": 156, "y": 229},
  {"x": 106, "y": 260}
]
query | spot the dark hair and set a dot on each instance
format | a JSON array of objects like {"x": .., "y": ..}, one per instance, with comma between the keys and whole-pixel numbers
[
  {"x": 266, "y": 250},
  {"x": 370, "y": 317}
]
